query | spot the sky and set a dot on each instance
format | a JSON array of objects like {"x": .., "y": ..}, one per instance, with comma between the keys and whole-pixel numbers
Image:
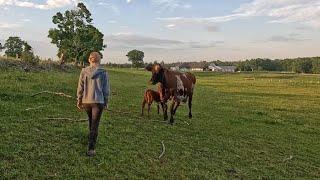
[{"x": 178, "y": 30}]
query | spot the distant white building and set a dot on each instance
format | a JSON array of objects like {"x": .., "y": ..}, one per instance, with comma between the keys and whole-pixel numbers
[
  {"x": 175, "y": 68},
  {"x": 215, "y": 68},
  {"x": 196, "y": 69}
]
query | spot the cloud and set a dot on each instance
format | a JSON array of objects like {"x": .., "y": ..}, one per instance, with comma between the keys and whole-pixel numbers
[
  {"x": 111, "y": 6},
  {"x": 166, "y": 5},
  {"x": 129, "y": 40},
  {"x": 50, "y": 4},
  {"x": 170, "y": 5},
  {"x": 306, "y": 12},
  {"x": 26, "y": 20},
  {"x": 171, "y": 26},
  {"x": 289, "y": 38},
  {"x": 212, "y": 28},
  {"x": 5, "y": 25},
  {"x": 112, "y": 21}
]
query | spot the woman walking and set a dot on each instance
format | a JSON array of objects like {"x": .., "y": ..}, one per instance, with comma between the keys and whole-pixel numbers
[{"x": 93, "y": 95}]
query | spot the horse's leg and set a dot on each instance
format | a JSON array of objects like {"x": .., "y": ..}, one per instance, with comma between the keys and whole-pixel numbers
[
  {"x": 158, "y": 108},
  {"x": 165, "y": 111},
  {"x": 162, "y": 106},
  {"x": 190, "y": 105},
  {"x": 176, "y": 107},
  {"x": 171, "y": 112}
]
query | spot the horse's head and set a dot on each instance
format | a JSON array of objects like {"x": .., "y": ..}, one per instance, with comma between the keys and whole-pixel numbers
[{"x": 157, "y": 73}]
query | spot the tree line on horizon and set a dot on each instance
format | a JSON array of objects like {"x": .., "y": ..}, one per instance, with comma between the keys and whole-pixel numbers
[
  {"x": 298, "y": 65},
  {"x": 76, "y": 37}
]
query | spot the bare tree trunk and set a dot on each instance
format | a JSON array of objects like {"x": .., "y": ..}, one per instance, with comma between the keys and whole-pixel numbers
[
  {"x": 75, "y": 62},
  {"x": 62, "y": 59}
]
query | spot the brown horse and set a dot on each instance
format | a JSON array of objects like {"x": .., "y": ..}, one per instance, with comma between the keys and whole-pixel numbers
[
  {"x": 174, "y": 84},
  {"x": 148, "y": 98}
]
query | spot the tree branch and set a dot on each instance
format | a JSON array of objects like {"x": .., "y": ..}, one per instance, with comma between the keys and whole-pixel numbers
[
  {"x": 163, "y": 150},
  {"x": 54, "y": 93},
  {"x": 66, "y": 119}
]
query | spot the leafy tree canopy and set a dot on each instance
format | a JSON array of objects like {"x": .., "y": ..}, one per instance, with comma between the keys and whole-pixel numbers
[
  {"x": 15, "y": 47},
  {"x": 136, "y": 57},
  {"x": 75, "y": 36}
]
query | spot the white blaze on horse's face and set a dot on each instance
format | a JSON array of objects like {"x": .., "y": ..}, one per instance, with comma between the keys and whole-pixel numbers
[
  {"x": 180, "y": 89},
  {"x": 157, "y": 68}
]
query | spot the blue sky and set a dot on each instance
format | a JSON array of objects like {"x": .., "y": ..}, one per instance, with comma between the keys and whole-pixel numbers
[{"x": 179, "y": 30}]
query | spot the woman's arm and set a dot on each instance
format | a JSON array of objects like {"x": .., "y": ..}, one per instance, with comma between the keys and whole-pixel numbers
[
  {"x": 106, "y": 89},
  {"x": 80, "y": 88}
]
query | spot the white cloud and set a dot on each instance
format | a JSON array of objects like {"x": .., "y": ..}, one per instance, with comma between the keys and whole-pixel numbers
[
  {"x": 168, "y": 4},
  {"x": 305, "y": 12},
  {"x": 50, "y": 4},
  {"x": 112, "y": 21},
  {"x": 111, "y": 6},
  {"x": 171, "y": 26},
  {"x": 5, "y": 25},
  {"x": 187, "y": 6},
  {"x": 26, "y": 20}
]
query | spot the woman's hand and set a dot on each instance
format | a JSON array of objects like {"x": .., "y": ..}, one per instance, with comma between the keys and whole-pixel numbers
[
  {"x": 106, "y": 107},
  {"x": 79, "y": 105}
]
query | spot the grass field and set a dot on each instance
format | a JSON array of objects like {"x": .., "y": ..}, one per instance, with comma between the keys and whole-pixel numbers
[{"x": 251, "y": 126}]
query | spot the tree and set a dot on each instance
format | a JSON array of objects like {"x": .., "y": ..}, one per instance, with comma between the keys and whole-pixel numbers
[
  {"x": 136, "y": 58},
  {"x": 75, "y": 36},
  {"x": 14, "y": 47},
  {"x": 1, "y": 47},
  {"x": 27, "y": 54}
]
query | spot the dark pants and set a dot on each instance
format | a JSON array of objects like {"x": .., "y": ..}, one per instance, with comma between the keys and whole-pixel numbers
[{"x": 94, "y": 112}]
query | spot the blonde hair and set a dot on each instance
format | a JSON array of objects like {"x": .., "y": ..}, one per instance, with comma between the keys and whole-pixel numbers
[{"x": 95, "y": 58}]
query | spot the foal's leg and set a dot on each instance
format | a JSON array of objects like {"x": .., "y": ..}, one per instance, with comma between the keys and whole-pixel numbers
[
  {"x": 190, "y": 105},
  {"x": 149, "y": 105},
  {"x": 143, "y": 105}
]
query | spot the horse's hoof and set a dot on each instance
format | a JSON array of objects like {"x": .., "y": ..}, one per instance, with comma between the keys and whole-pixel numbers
[
  {"x": 190, "y": 116},
  {"x": 171, "y": 121}
]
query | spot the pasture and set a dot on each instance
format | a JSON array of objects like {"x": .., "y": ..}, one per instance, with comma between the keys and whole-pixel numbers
[{"x": 251, "y": 126}]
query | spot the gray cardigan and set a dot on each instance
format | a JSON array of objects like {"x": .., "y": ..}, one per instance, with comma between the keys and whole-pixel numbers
[{"x": 93, "y": 86}]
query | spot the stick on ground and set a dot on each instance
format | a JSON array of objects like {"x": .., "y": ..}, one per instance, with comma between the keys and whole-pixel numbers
[
  {"x": 35, "y": 108},
  {"x": 54, "y": 93},
  {"x": 66, "y": 119},
  {"x": 163, "y": 150}
]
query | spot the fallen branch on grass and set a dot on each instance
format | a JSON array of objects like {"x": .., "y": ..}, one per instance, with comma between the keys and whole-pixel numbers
[
  {"x": 163, "y": 150},
  {"x": 54, "y": 93},
  {"x": 119, "y": 112},
  {"x": 66, "y": 119},
  {"x": 186, "y": 123},
  {"x": 288, "y": 159},
  {"x": 35, "y": 108}
]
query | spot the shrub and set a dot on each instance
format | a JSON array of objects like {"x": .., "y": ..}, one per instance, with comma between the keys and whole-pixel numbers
[{"x": 29, "y": 58}]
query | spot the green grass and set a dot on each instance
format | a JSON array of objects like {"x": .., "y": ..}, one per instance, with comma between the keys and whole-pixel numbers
[{"x": 244, "y": 126}]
